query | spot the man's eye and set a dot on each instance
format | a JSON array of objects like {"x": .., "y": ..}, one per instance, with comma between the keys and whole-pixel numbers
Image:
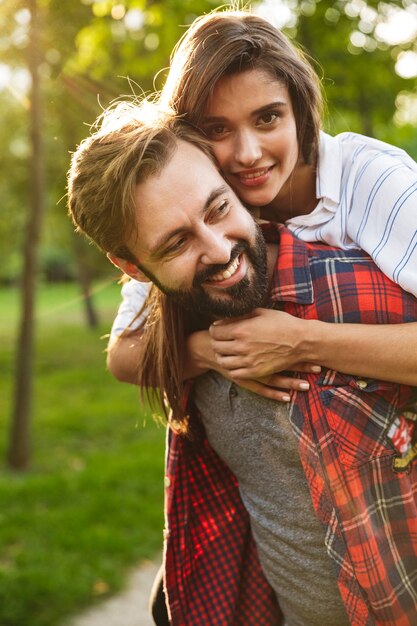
[
  {"x": 179, "y": 243},
  {"x": 220, "y": 210},
  {"x": 176, "y": 246}
]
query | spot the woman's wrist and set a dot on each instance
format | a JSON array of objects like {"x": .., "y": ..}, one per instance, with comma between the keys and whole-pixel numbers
[
  {"x": 199, "y": 351},
  {"x": 385, "y": 352}
]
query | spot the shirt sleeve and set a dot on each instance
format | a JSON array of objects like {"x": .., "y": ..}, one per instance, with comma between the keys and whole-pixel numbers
[
  {"x": 382, "y": 218},
  {"x": 134, "y": 294}
]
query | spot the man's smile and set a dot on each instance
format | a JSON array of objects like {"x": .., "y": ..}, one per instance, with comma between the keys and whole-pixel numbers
[{"x": 232, "y": 274}]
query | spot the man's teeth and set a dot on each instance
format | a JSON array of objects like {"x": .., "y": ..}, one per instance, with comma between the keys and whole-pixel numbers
[{"x": 227, "y": 273}]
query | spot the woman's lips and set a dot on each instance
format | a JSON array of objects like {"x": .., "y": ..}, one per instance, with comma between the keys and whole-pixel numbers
[{"x": 253, "y": 178}]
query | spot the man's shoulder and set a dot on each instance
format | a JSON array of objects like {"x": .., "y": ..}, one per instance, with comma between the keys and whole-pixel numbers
[{"x": 340, "y": 266}]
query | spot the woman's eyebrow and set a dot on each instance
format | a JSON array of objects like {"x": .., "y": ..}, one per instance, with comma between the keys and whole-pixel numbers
[
  {"x": 265, "y": 107},
  {"x": 276, "y": 104}
]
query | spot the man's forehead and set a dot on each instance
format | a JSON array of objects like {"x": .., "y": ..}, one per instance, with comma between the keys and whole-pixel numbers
[
  {"x": 181, "y": 192},
  {"x": 194, "y": 155},
  {"x": 188, "y": 170},
  {"x": 187, "y": 164}
]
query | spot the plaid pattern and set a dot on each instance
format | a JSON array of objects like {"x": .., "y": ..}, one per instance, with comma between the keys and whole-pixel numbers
[{"x": 363, "y": 489}]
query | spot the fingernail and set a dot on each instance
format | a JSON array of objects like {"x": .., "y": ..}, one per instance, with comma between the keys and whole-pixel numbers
[
  {"x": 304, "y": 386},
  {"x": 286, "y": 398},
  {"x": 316, "y": 369}
]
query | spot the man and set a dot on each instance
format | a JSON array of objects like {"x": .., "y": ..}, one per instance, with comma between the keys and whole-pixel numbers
[{"x": 303, "y": 511}]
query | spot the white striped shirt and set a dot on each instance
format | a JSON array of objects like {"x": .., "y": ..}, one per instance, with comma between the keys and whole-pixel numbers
[
  {"x": 367, "y": 192},
  {"x": 134, "y": 295}
]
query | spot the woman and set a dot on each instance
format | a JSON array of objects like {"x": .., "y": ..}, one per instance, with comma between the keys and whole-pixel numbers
[{"x": 241, "y": 81}]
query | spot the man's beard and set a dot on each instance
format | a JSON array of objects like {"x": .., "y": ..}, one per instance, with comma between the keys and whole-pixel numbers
[{"x": 241, "y": 298}]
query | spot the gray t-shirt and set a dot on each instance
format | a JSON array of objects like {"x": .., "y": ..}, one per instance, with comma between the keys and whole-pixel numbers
[{"x": 253, "y": 436}]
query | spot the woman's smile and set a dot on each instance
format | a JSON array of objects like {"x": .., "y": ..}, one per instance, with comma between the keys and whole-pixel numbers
[{"x": 254, "y": 177}]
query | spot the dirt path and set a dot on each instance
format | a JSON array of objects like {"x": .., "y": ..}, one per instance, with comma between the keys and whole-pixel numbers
[{"x": 129, "y": 608}]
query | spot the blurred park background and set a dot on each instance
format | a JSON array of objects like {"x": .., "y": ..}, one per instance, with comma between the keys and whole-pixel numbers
[{"x": 81, "y": 461}]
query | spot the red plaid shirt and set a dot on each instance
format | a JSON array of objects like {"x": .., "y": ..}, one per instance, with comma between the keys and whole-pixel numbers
[{"x": 357, "y": 443}]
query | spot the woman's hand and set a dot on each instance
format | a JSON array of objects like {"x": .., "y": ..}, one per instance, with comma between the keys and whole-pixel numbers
[
  {"x": 272, "y": 385},
  {"x": 268, "y": 341},
  {"x": 259, "y": 345}
]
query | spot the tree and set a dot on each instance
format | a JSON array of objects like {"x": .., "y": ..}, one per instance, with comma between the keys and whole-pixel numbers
[
  {"x": 358, "y": 67},
  {"x": 19, "y": 448}
]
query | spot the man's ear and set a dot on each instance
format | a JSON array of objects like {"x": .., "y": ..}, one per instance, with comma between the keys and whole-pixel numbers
[{"x": 128, "y": 268}]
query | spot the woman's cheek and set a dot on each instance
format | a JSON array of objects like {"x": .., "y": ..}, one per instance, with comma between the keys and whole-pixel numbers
[{"x": 221, "y": 151}]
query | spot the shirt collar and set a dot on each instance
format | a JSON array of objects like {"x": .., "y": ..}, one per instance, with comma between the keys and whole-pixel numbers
[
  {"x": 291, "y": 279},
  {"x": 329, "y": 169}
]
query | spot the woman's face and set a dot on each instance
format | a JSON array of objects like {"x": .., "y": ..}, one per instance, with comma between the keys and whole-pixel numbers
[{"x": 251, "y": 124}]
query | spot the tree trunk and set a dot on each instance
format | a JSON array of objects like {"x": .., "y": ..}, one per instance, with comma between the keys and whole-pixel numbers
[
  {"x": 19, "y": 445},
  {"x": 84, "y": 280}
]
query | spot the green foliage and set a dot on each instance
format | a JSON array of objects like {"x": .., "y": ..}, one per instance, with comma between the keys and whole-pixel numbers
[
  {"x": 57, "y": 265},
  {"x": 91, "y": 506},
  {"x": 360, "y": 83}
]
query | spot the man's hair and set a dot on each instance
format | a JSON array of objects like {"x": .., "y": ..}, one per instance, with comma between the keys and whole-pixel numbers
[
  {"x": 162, "y": 357},
  {"x": 131, "y": 142},
  {"x": 224, "y": 43}
]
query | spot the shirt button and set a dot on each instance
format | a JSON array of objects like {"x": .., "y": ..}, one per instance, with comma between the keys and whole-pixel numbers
[
  {"x": 362, "y": 384},
  {"x": 167, "y": 482}
]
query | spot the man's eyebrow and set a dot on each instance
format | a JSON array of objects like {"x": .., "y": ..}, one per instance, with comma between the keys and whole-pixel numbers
[
  {"x": 266, "y": 107},
  {"x": 157, "y": 250}
]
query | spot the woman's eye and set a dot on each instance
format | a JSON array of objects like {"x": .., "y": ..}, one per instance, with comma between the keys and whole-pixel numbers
[
  {"x": 268, "y": 118},
  {"x": 214, "y": 132}
]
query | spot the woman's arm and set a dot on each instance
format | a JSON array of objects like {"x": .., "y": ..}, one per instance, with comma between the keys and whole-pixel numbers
[
  {"x": 201, "y": 358},
  {"x": 123, "y": 347},
  {"x": 123, "y": 357},
  {"x": 124, "y": 351},
  {"x": 267, "y": 341},
  {"x": 123, "y": 361}
]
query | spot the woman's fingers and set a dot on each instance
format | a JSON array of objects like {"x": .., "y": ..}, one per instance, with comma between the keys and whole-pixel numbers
[
  {"x": 274, "y": 387},
  {"x": 277, "y": 381},
  {"x": 264, "y": 390}
]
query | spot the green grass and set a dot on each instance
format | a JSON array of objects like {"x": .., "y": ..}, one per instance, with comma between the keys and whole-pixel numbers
[{"x": 90, "y": 507}]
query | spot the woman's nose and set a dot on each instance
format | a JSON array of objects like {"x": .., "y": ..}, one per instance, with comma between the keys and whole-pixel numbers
[{"x": 247, "y": 149}]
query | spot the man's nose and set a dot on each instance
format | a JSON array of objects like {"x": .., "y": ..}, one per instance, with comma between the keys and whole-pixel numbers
[
  {"x": 216, "y": 248},
  {"x": 247, "y": 149}
]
